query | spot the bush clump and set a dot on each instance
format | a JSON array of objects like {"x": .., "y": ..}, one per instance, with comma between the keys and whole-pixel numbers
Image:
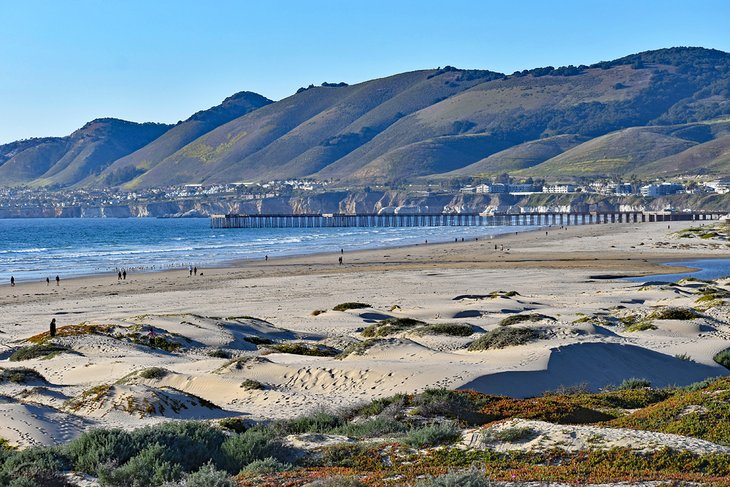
[
  {"x": 633, "y": 383},
  {"x": 312, "y": 349},
  {"x": 43, "y": 350},
  {"x": 432, "y": 435},
  {"x": 347, "y": 306},
  {"x": 20, "y": 375},
  {"x": 470, "y": 478},
  {"x": 258, "y": 340},
  {"x": 504, "y": 337},
  {"x": 252, "y": 385},
  {"x": 671, "y": 313},
  {"x": 723, "y": 358},
  {"x": 517, "y": 319},
  {"x": 219, "y": 353},
  {"x": 641, "y": 326},
  {"x": 450, "y": 329},
  {"x": 509, "y": 435},
  {"x": 154, "y": 373},
  {"x": 391, "y": 326}
]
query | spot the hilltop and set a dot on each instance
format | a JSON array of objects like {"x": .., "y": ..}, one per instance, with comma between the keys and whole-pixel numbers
[{"x": 656, "y": 113}]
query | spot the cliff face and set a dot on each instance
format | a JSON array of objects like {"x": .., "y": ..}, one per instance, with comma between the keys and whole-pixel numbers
[{"x": 379, "y": 202}]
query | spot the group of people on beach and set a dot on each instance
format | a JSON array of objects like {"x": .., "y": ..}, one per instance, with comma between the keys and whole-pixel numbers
[{"x": 48, "y": 281}]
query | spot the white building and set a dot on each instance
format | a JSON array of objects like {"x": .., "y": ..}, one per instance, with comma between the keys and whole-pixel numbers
[{"x": 560, "y": 188}]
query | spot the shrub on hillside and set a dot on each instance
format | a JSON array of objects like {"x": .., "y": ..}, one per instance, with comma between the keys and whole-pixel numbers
[
  {"x": 504, "y": 337},
  {"x": 517, "y": 319},
  {"x": 44, "y": 350},
  {"x": 20, "y": 375},
  {"x": 432, "y": 435},
  {"x": 348, "y": 306}
]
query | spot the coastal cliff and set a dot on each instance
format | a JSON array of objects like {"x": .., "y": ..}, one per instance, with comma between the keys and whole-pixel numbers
[{"x": 374, "y": 202}]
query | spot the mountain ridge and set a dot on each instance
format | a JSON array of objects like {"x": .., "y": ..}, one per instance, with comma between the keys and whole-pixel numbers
[{"x": 571, "y": 121}]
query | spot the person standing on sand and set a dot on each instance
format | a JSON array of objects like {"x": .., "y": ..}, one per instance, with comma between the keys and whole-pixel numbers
[
  {"x": 12, "y": 281},
  {"x": 266, "y": 258},
  {"x": 124, "y": 274},
  {"x": 52, "y": 331},
  {"x": 48, "y": 281},
  {"x": 119, "y": 276},
  {"x": 340, "y": 260},
  {"x": 195, "y": 270},
  {"x": 190, "y": 271},
  {"x": 58, "y": 280}
]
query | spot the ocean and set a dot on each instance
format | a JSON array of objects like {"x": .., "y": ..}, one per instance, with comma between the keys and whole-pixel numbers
[
  {"x": 706, "y": 269},
  {"x": 33, "y": 249}
]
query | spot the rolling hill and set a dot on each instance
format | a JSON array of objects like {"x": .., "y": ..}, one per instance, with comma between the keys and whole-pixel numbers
[{"x": 656, "y": 113}]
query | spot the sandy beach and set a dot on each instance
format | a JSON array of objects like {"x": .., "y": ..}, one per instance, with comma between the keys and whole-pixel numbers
[{"x": 211, "y": 334}]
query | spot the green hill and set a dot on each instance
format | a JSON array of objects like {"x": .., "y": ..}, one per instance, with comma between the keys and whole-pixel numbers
[
  {"x": 654, "y": 113},
  {"x": 64, "y": 161}
]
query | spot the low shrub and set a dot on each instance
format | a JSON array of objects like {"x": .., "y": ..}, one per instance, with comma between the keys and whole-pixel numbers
[
  {"x": 450, "y": 329},
  {"x": 146, "y": 468},
  {"x": 672, "y": 313},
  {"x": 258, "y": 340},
  {"x": 317, "y": 422},
  {"x": 723, "y": 358},
  {"x": 640, "y": 326},
  {"x": 517, "y": 319},
  {"x": 252, "y": 385},
  {"x": 43, "y": 350},
  {"x": 218, "y": 353},
  {"x": 154, "y": 373},
  {"x": 206, "y": 476},
  {"x": 237, "y": 425},
  {"x": 391, "y": 326},
  {"x": 20, "y": 375},
  {"x": 318, "y": 312},
  {"x": 312, "y": 349},
  {"x": 377, "y": 427},
  {"x": 347, "y": 306},
  {"x": 265, "y": 466},
  {"x": 432, "y": 435},
  {"x": 470, "y": 478},
  {"x": 633, "y": 383},
  {"x": 239, "y": 451},
  {"x": 359, "y": 348},
  {"x": 504, "y": 337}
]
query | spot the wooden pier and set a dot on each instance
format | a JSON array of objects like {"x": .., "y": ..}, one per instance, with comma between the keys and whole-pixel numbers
[{"x": 450, "y": 219}]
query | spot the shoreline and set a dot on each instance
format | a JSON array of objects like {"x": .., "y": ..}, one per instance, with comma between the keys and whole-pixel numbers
[{"x": 530, "y": 249}]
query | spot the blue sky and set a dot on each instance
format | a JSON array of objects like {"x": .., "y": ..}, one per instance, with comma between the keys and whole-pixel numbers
[{"x": 65, "y": 63}]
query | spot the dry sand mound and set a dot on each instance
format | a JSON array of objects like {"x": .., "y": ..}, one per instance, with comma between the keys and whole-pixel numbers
[
  {"x": 142, "y": 401},
  {"x": 33, "y": 424},
  {"x": 526, "y": 435}
]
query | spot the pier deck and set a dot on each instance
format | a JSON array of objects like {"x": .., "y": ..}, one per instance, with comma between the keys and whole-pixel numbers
[{"x": 449, "y": 219}]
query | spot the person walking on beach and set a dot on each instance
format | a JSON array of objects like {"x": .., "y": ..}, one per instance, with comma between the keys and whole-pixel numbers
[
  {"x": 12, "y": 281},
  {"x": 342, "y": 251},
  {"x": 48, "y": 281},
  {"x": 190, "y": 270},
  {"x": 266, "y": 258},
  {"x": 119, "y": 276},
  {"x": 58, "y": 280},
  {"x": 124, "y": 274},
  {"x": 340, "y": 260},
  {"x": 52, "y": 331},
  {"x": 195, "y": 270}
]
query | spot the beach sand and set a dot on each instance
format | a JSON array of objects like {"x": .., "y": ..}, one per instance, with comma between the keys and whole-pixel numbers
[{"x": 567, "y": 275}]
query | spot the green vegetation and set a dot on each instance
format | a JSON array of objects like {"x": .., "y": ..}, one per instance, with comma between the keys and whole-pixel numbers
[
  {"x": 408, "y": 439},
  {"x": 318, "y": 312},
  {"x": 671, "y": 313},
  {"x": 20, "y": 375},
  {"x": 504, "y": 337},
  {"x": 641, "y": 326},
  {"x": 391, "y": 326},
  {"x": 517, "y": 319},
  {"x": 433, "y": 435},
  {"x": 450, "y": 329},
  {"x": 723, "y": 358},
  {"x": 218, "y": 353},
  {"x": 348, "y": 306},
  {"x": 359, "y": 348},
  {"x": 633, "y": 383},
  {"x": 154, "y": 373},
  {"x": 43, "y": 351},
  {"x": 252, "y": 385},
  {"x": 300, "y": 348}
]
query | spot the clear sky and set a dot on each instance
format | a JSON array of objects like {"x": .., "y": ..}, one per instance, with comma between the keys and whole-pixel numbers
[{"x": 63, "y": 63}]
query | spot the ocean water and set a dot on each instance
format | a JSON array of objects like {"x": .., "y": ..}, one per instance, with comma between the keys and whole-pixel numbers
[
  {"x": 706, "y": 269},
  {"x": 33, "y": 249}
]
